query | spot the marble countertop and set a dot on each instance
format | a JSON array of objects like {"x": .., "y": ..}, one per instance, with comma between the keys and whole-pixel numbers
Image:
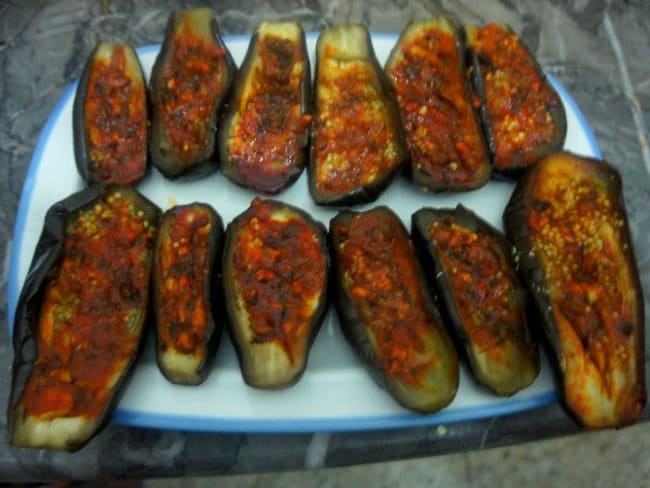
[{"x": 597, "y": 49}]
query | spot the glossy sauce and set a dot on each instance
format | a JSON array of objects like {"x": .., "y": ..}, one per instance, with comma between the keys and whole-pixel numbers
[
  {"x": 116, "y": 121},
  {"x": 355, "y": 140},
  {"x": 443, "y": 134},
  {"x": 520, "y": 103},
  {"x": 279, "y": 273},
  {"x": 91, "y": 318},
  {"x": 183, "y": 268},
  {"x": 380, "y": 274},
  {"x": 269, "y": 129},
  {"x": 191, "y": 84}
]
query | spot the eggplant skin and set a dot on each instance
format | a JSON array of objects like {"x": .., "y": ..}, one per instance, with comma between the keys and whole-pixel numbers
[
  {"x": 58, "y": 431},
  {"x": 357, "y": 144},
  {"x": 499, "y": 348},
  {"x": 123, "y": 167},
  {"x": 189, "y": 367},
  {"x": 199, "y": 158},
  {"x": 567, "y": 221},
  {"x": 426, "y": 68},
  {"x": 386, "y": 312},
  {"x": 275, "y": 255},
  {"x": 272, "y": 96},
  {"x": 515, "y": 139}
]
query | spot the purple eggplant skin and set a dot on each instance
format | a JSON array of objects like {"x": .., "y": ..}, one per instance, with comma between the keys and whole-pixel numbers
[
  {"x": 46, "y": 262},
  {"x": 441, "y": 177},
  {"x": 86, "y": 166},
  {"x": 480, "y": 65},
  {"x": 204, "y": 159},
  {"x": 427, "y": 379},
  {"x": 511, "y": 362},
  {"x": 267, "y": 363},
  {"x": 351, "y": 44},
  {"x": 568, "y": 224},
  {"x": 278, "y": 122},
  {"x": 173, "y": 364}
]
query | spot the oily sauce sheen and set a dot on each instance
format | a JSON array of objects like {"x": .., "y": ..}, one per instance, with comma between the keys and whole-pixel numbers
[
  {"x": 355, "y": 141},
  {"x": 91, "y": 308},
  {"x": 183, "y": 264},
  {"x": 268, "y": 129},
  {"x": 519, "y": 102},
  {"x": 442, "y": 132},
  {"x": 116, "y": 117},
  {"x": 279, "y": 272},
  {"x": 384, "y": 286},
  {"x": 190, "y": 86},
  {"x": 482, "y": 284}
]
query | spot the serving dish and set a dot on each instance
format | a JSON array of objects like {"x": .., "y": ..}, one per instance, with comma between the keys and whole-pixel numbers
[{"x": 335, "y": 393}]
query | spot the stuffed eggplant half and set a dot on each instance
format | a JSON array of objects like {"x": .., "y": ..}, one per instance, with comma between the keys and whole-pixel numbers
[
  {"x": 386, "y": 312},
  {"x": 110, "y": 117},
  {"x": 357, "y": 145},
  {"x": 443, "y": 133},
  {"x": 263, "y": 135},
  {"x": 568, "y": 223},
  {"x": 80, "y": 316},
  {"x": 190, "y": 83},
  {"x": 275, "y": 269},
  {"x": 523, "y": 117},
  {"x": 187, "y": 293},
  {"x": 482, "y": 295}
]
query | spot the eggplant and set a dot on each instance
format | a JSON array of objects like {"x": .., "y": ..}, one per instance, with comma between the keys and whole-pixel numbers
[
  {"x": 187, "y": 293},
  {"x": 357, "y": 144},
  {"x": 386, "y": 312},
  {"x": 567, "y": 221},
  {"x": 426, "y": 68},
  {"x": 275, "y": 267},
  {"x": 110, "y": 119},
  {"x": 190, "y": 83},
  {"x": 523, "y": 117},
  {"x": 80, "y": 317},
  {"x": 471, "y": 268},
  {"x": 264, "y": 133}
]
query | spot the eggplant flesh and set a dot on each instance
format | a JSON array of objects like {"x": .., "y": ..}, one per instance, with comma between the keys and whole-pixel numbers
[
  {"x": 568, "y": 223},
  {"x": 426, "y": 68},
  {"x": 80, "y": 316},
  {"x": 186, "y": 292},
  {"x": 482, "y": 295},
  {"x": 386, "y": 312},
  {"x": 190, "y": 83},
  {"x": 264, "y": 133},
  {"x": 357, "y": 145},
  {"x": 275, "y": 267},
  {"x": 523, "y": 117},
  {"x": 110, "y": 117}
]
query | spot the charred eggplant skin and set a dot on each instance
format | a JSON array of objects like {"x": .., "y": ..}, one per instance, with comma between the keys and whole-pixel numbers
[
  {"x": 276, "y": 277},
  {"x": 49, "y": 256},
  {"x": 184, "y": 157},
  {"x": 509, "y": 130},
  {"x": 197, "y": 259},
  {"x": 128, "y": 160},
  {"x": 271, "y": 109},
  {"x": 426, "y": 68},
  {"x": 343, "y": 52},
  {"x": 567, "y": 221},
  {"x": 498, "y": 349},
  {"x": 404, "y": 347}
]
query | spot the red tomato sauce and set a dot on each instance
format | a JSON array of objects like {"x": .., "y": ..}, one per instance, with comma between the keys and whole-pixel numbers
[
  {"x": 279, "y": 271},
  {"x": 183, "y": 270},
  {"x": 91, "y": 314},
  {"x": 116, "y": 121}
]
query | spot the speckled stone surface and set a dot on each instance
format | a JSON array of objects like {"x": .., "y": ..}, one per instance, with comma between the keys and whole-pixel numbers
[{"x": 597, "y": 49}]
